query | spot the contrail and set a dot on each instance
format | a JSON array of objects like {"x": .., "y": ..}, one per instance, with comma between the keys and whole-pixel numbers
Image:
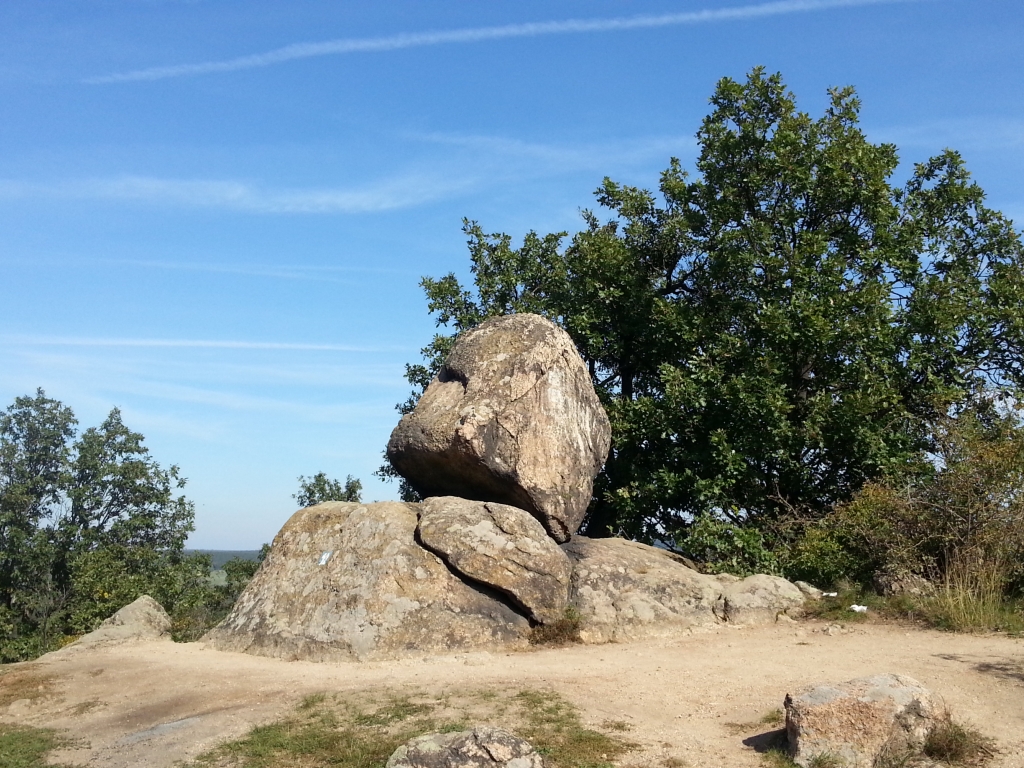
[
  {"x": 188, "y": 344},
  {"x": 472, "y": 35}
]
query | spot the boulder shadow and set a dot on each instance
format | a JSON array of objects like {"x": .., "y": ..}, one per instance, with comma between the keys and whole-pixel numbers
[
  {"x": 1005, "y": 669},
  {"x": 767, "y": 741}
]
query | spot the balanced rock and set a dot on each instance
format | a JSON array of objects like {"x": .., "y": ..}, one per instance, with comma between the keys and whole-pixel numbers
[
  {"x": 624, "y": 590},
  {"x": 501, "y": 546},
  {"x": 860, "y": 721},
  {"x": 512, "y": 417},
  {"x": 346, "y": 580},
  {"x": 481, "y": 747}
]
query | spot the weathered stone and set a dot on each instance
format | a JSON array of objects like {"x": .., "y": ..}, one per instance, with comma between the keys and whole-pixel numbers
[
  {"x": 501, "y": 546},
  {"x": 481, "y": 747},
  {"x": 144, "y": 619},
  {"x": 345, "y": 580},
  {"x": 810, "y": 591},
  {"x": 897, "y": 581},
  {"x": 624, "y": 590},
  {"x": 513, "y": 418},
  {"x": 759, "y": 599},
  {"x": 859, "y": 721}
]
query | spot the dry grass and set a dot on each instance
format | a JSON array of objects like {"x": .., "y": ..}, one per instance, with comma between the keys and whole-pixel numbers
[
  {"x": 24, "y": 681},
  {"x": 564, "y": 631},
  {"x": 957, "y": 744},
  {"x": 972, "y": 598},
  {"x": 362, "y": 731}
]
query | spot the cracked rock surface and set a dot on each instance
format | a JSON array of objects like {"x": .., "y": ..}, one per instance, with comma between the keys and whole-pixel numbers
[
  {"x": 512, "y": 418},
  {"x": 346, "y": 580},
  {"x": 481, "y": 747},
  {"x": 501, "y": 546}
]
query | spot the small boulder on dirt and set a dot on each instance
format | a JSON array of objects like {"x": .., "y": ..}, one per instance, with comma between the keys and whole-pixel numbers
[
  {"x": 861, "y": 721},
  {"x": 512, "y": 417},
  {"x": 143, "y": 619},
  {"x": 481, "y": 747},
  {"x": 501, "y": 546}
]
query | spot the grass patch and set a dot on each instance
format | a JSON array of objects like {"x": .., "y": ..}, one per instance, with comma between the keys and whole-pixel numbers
[
  {"x": 563, "y": 631},
  {"x": 957, "y": 744},
  {"x": 353, "y": 731},
  {"x": 957, "y": 606},
  {"x": 22, "y": 747},
  {"x": 24, "y": 681},
  {"x": 775, "y": 718}
]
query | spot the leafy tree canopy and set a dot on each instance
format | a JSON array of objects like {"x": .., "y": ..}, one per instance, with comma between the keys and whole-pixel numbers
[
  {"x": 88, "y": 522},
  {"x": 773, "y": 330},
  {"x": 320, "y": 488}
]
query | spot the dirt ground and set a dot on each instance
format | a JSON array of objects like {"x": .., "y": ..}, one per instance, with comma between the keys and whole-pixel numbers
[{"x": 696, "y": 697}]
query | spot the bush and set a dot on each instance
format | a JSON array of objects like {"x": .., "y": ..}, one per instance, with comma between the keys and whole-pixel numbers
[
  {"x": 720, "y": 546},
  {"x": 956, "y": 521}
]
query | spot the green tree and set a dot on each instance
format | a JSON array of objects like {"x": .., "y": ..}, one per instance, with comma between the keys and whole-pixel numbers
[
  {"x": 320, "y": 488},
  {"x": 773, "y": 331},
  {"x": 87, "y": 524}
]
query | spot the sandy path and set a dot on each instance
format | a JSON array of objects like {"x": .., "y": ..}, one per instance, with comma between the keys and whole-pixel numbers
[{"x": 159, "y": 702}]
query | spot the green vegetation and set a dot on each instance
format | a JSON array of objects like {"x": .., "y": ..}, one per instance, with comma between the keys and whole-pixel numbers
[
  {"x": 89, "y": 522},
  {"x": 786, "y": 342},
  {"x": 348, "y": 731},
  {"x": 24, "y": 747},
  {"x": 320, "y": 488}
]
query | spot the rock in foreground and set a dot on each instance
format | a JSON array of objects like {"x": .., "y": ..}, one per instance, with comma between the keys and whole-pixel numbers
[
  {"x": 501, "y": 546},
  {"x": 860, "y": 721},
  {"x": 513, "y": 418},
  {"x": 345, "y": 580},
  {"x": 481, "y": 747}
]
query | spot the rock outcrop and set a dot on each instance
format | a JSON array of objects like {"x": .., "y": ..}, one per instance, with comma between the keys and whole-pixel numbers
[
  {"x": 501, "y": 546},
  {"x": 860, "y": 721},
  {"x": 144, "y": 619},
  {"x": 481, "y": 747},
  {"x": 625, "y": 590},
  {"x": 512, "y": 418},
  {"x": 345, "y": 580}
]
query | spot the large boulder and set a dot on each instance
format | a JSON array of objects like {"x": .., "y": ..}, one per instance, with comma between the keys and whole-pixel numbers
[
  {"x": 512, "y": 417},
  {"x": 625, "y": 590},
  {"x": 346, "y": 580},
  {"x": 861, "y": 721},
  {"x": 481, "y": 747},
  {"x": 501, "y": 546}
]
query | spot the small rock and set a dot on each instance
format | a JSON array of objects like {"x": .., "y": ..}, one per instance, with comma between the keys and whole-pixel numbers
[
  {"x": 859, "y": 720},
  {"x": 759, "y": 599},
  {"x": 810, "y": 592},
  {"x": 481, "y": 747},
  {"x": 144, "y": 619}
]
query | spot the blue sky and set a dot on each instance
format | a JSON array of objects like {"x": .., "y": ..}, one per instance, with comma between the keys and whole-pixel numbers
[{"x": 214, "y": 213}]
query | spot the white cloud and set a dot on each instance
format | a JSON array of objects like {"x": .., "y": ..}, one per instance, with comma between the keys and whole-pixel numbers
[
  {"x": 239, "y": 196},
  {"x": 478, "y": 34}
]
